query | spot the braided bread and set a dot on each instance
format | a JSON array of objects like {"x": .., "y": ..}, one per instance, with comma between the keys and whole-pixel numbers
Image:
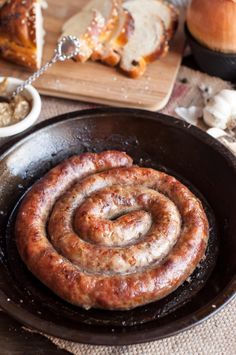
[{"x": 21, "y": 32}]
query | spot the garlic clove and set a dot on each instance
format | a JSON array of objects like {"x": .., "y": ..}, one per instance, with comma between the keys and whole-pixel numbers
[
  {"x": 217, "y": 112},
  {"x": 220, "y": 111},
  {"x": 230, "y": 97},
  {"x": 214, "y": 119},
  {"x": 190, "y": 114}
]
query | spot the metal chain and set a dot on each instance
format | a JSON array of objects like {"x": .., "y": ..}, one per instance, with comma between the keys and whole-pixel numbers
[
  {"x": 62, "y": 52},
  {"x": 35, "y": 76}
]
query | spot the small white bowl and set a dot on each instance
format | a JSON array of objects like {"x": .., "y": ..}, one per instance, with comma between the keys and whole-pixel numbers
[{"x": 30, "y": 94}]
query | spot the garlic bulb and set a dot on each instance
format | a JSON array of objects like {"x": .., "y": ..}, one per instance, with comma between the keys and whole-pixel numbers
[{"x": 220, "y": 111}]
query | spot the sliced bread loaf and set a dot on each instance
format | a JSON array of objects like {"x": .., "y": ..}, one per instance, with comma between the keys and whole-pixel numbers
[
  {"x": 93, "y": 25},
  {"x": 109, "y": 51},
  {"x": 131, "y": 33}
]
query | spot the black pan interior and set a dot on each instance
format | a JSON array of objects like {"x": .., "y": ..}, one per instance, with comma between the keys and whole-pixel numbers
[{"x": 153, "y": 140}]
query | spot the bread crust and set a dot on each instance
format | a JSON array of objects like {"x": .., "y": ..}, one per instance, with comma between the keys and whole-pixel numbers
[
  {"x": 170, "y": 31},
  {"x": 95, "y": 280},
  {"x": 97, "y": 35},
  {"x": 109, "y": 53},
  {"x": 213, "y": 24}
]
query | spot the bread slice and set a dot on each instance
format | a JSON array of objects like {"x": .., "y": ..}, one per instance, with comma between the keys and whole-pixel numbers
[
  {"x": 167, "y": 12},
  {"x": 149, "y": 39},
  {"x": 21, "y": 32},
  {"x": 109, "y": 51},
  {"x": 93, "y": 25}
]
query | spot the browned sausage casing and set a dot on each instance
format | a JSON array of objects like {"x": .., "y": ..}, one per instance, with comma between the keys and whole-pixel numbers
[{"x": 101, "y": 232}]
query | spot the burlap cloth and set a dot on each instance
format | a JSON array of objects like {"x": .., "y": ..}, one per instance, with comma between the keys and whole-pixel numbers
[{"x": 215, "y": 336}]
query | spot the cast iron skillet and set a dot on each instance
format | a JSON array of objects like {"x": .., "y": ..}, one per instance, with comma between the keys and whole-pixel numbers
[{"x": 153, "y": 140}]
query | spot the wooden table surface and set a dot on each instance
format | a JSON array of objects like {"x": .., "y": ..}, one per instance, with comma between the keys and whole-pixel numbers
[{"x": 14, "y": 340}]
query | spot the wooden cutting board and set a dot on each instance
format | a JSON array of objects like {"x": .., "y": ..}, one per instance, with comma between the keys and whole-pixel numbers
[{"x": 95, "y": 82}]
